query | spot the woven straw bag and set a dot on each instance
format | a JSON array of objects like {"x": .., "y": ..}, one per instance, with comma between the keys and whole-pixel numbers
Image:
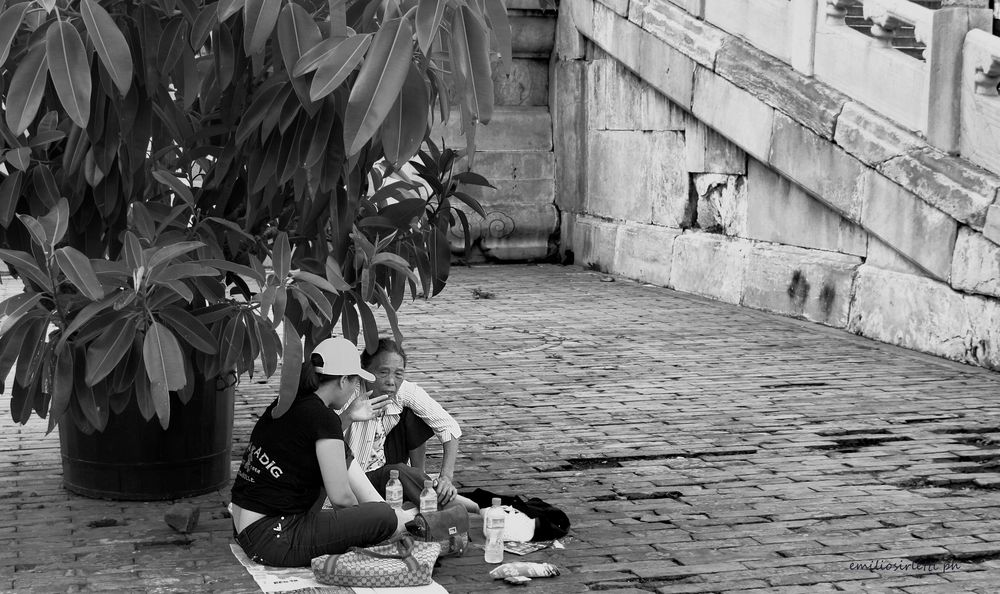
[{"x": 401, "y": 563}]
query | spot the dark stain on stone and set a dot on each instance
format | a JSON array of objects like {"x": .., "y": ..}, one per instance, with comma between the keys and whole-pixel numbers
[
  {"x": 826, "y": 297},
  {"x": 798, "y": 289}
]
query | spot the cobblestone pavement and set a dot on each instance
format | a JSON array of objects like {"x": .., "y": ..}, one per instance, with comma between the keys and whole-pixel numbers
[{"x": 696, "y": 446}]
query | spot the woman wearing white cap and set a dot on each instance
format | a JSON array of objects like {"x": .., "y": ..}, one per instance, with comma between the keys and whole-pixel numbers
[{"x": 277, "y": 511}]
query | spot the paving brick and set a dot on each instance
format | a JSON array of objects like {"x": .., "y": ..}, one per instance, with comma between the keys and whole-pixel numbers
[{"x": 745, "y": 452}]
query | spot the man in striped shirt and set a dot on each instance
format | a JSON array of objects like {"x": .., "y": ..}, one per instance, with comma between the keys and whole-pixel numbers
[{"x": 405, "y": 417}]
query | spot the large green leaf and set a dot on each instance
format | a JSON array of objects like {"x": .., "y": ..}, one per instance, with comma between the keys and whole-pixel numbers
[
  {"x": 430, "y": 13},
  {"x": 164, "y": 362},
  {"x": 406, "y": 123},
  {"x": 174, "y": 183},
  {"x": 500, "y": 27},
  {"x": 70, "y": 70},
  {"x": 291, "y": 369},
  {"x": 297, "y": 34},
  {"x": 25, "y": 265},
  {"x": 337, "y": 65},
  {"x": 62, "y": 385},
  {"x": 109, "y": 42},
  {"x": 10, "y": 194},
  {"x": 76, "y": 266},
  {"x": 231, "y": 344},
  {"x": 14, "y": 312},
  {"x": 378, "y": 84},
  {"x": 56, "y": 221},
  {"x": 396, "y": 262},
  {"x": 24, "y": 96},
  {"x": 470, "y": 53},
  {"x": 227, "y": 8},
  {"x": 83, "y": 316},
  {"x": 108, "y": 349},
  {"x": 46, "y": 188},
  {"x": 281, "y": 256},
  {"x": 94, "y": 406},
  {"x": 259, "y": 16},
  {"x": 165, "y": 254},
  {"x": 189, "y": 328},
  {"x": 10, "y": 22}
]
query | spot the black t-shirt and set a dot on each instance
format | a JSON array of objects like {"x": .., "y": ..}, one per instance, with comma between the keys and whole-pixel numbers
[{"x": 280, "y": 473}]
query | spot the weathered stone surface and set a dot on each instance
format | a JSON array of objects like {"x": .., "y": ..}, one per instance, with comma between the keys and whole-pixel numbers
[
  {"x": 526, "y": 83},
  {"x": 656, "y": 62},
  {"x": 991, "y": 230},
  {"x": 722, "y": 203},
  {"x": 922, "y": 233},
  {"x": 620, "y": 100},
  {"x": 733, "y": 112},
  {"x": 637, "y": 176},
  {"x": 810, "y": 284},
  {"x": 569, "y": 129},
  {"x": 619, "y": 6},
  {"x": 808, "y": 102},
  {"x": 594, "y": 241},
  {"x": 780, "y": 211},
  {"x": 569, "y": 43},
  {"x": 976, "y": 264},
  {"x": 583, "y": 16},
  {"x": 513, "y": 165},
  {"x": 816, "y": 164},
  {"x": 710, "y": 152},
  {"x": 709, "y": 265},
  {"x": 925, "y": 315},
  {"x": 881, "y": 255},
  {"x": 644, "y": 252},
  {"x": 872, "y": 137},
  {"x": 520, "y": 220},
  {"x": 962, "y": 191},
  {"x": 984, "y": 342},
  {"x": 673, "y": 24},
  {"x": 512, "y": 128},
  {"x": 532, "y": 35}
]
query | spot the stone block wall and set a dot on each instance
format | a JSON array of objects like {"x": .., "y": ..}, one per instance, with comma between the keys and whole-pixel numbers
[{"x": 689, "y": 158}]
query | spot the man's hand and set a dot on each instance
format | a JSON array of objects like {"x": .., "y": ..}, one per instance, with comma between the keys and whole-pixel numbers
[
  {"x": 445, "y": 490},
  {"x": 364, "y": 408}
]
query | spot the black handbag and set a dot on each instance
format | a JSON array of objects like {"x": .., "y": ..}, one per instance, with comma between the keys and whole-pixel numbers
[
  {"x": 448, "y": 527},
  {"x": 551, "y": 522}
]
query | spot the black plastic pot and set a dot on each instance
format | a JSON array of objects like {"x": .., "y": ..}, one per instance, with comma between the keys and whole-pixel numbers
[{"x": 135, "y": 459}]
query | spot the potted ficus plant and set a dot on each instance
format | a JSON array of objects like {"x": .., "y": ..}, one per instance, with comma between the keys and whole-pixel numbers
[{"x": 195, "y": 190}]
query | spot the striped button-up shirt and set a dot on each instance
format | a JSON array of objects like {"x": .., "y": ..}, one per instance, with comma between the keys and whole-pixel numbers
[{"x": 367, "y": 438}]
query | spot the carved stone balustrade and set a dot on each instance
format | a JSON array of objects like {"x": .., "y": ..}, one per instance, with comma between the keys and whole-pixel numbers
[
  {"x": 921, "y": 95},
  {"x": 980, "y": 121}
]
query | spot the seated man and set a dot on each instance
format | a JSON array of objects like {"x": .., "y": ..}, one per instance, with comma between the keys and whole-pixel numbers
[{"x": 403, "y": 417}]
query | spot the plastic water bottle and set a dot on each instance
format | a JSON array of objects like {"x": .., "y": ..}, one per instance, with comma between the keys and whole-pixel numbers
[
  {"x": 493, "y": 521},
  {"x": 394, "y": 490},
  {"x": 428, "y": 498}
]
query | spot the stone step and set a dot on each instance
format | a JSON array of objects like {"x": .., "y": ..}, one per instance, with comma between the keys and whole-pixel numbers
[
  {"x": 525, "y": 83},
  {"x": 532, "y": 35},
  {"x": 513, "y": 165},
  {"x": 510, "y": 129}
]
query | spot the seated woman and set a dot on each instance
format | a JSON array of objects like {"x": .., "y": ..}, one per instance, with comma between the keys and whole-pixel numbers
[{"x": 277, "y": 509}]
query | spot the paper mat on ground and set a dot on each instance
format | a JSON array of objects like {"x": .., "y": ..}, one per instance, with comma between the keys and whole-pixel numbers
[{"x": 300, "y": 580}]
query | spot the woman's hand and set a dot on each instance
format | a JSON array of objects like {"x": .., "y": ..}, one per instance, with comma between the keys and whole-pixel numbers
[{"x": 364, "y": 408}]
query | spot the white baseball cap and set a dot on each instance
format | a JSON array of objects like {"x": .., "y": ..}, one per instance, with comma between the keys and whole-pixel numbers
[{"x": 340, "y": 357}]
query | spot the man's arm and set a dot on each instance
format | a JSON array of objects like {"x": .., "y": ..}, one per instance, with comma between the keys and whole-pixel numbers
[{"x": 445, "y": 489}]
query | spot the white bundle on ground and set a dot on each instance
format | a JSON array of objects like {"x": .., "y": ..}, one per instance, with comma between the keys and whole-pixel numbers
[{"x": 524, "y": 569}]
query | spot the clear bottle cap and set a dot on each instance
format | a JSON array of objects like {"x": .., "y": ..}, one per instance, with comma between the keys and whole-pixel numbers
[
  {"x": 496, "y": 502},
  {"x": 428, "y": 484},
  {"x": 394, "y": 474}
]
